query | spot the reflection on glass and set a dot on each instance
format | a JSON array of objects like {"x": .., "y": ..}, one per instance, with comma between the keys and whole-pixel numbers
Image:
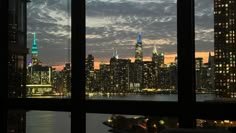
[
  {"x": 131, "y": 50},
  {"x": 215, "y": 49},
  {"x": 48, "y": 39},
  {"x": 217, "y": 124},
  {"x": 128, "y": 123},
  {"x": 17, "y": 49},
  {"x": 48, "y": 122},
  {"x": 38, "y": 122},
  {"x": 16, "y": 121}
]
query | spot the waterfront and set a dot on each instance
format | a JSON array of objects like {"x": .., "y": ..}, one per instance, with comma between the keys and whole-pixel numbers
[
  {"x": 151, "y": 97},
  {"x": 59, "y": 122},
  {"x": 94, "y": 121}
]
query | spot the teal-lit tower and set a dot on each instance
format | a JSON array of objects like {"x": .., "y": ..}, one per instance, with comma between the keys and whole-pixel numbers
[
  {"x": 139, "y": 49},
  {"x": 34, "y": 52}
]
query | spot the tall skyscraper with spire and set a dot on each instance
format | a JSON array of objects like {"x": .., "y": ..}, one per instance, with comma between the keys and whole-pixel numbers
[
  {"x": 115, "y": 54},
  {"x": 154, "y": 54},
  {"x": 139, "y": 49},
  {"x": 34, "y": 51},
  {"x": 138, "y": 64},
  {"x": 157, "y": 58},
  {"x": 225, "y": 48}
]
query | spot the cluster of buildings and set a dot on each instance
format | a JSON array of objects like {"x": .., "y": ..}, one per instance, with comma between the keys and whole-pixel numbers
[
  {"x": 45, "y": 80},
  {"x": 218, "y": 75},
  {"x": 28, "y": 79},
  {"x": 124, "y": 76}
]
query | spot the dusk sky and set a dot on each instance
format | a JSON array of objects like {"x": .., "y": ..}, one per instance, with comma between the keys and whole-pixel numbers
[{"x": 115, "y": 24}]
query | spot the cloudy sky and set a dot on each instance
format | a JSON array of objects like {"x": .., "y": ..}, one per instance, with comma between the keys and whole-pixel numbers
[
  {"x": 51, "y": 21},
  {"x": 115, "y": 24}
]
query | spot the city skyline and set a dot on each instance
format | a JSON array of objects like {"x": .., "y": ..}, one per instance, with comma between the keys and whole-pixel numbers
[{"x": 114, "y": 24}]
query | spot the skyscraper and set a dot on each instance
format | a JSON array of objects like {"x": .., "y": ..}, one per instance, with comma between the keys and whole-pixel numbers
[
  {"x": 138, "y": 64},
  {"x": 34, "y": 52},
  {"x": 157, "y": 58},
  {"x": 17, "y": 52},
  {"x": 89, "y": 71},
  {"x": 225, "y": 48},
  {"x": 17, "y": 48},
  {"x": 139, "y": 49},
  {"x": 90, "y": 62}
]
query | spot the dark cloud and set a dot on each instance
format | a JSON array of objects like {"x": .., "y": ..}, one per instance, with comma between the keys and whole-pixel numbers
[
  {"x": 100, "y": 8},
  {"x": 155, "y": 19},
  {"x": 204, "y": 46},
  {"x": 50, "y": 20},
  {"x": 114, "y": 24}
]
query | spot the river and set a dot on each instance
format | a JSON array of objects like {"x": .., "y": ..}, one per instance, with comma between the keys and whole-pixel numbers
[{"x": 59, "y": 122}]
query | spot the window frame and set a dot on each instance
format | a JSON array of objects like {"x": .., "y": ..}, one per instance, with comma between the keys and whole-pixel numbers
[{"x": 78, "y": 106}]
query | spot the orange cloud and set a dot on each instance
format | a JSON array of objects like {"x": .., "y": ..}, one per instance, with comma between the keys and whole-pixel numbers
[
  {"x": 58, "y": 67},
  {"x": 159, "y": 41}
]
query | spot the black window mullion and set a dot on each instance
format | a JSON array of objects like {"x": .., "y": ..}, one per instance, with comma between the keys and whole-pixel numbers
[
  {"x": 186, "y": 62},
  {"x": 78, "y": 66},
  {"x": 4, "y": 42}
]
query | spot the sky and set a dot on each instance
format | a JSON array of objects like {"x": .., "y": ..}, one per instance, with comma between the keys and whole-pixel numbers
[
  {"x": 114, "y": 25},
  {"x": 51, "y": 21}
]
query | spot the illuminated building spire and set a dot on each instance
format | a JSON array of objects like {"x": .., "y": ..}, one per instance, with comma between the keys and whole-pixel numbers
[
  {"x": 154, "y": 51},
  {"x": 116, "y": 55},
  {"x": 34, "y": 51},
  {"x": 139, "y": 49},
  {"x": 139, "y": 39}
]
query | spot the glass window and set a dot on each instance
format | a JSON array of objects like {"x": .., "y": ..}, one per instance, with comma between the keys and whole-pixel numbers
[
  {"x": 212, "y": 50},
  {"x": 106, "y": 123},
  {"x": 186, "y": 118},
  {"x": 38, "y": 121},
  {"x": 48, "y": 41},
  {"x": 131, "y": 50}
]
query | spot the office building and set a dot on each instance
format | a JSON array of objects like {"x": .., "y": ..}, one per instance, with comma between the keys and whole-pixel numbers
[
  {"x": 225, "y": 48},
  {"x": 17, "y": 51}
]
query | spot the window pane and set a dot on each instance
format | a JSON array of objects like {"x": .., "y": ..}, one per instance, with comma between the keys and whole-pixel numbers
[
  {"x": 106, "y": 123},
  {"x": 215, "y": 49},
  {"x": 48, "y": 121},
  {"x": 48, "y": 40},
  {"x": 131, "y": 50},
  {"x": 38, "y": 122}
]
